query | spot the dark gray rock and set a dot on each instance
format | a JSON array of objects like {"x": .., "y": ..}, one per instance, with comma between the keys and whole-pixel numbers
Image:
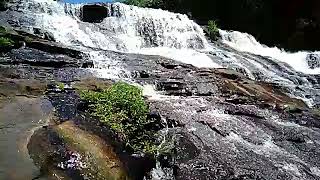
[
  {"x": 225, "y": 126},
  {"x": 34, "y": 57},
  {"x": 313, "y": 61}
]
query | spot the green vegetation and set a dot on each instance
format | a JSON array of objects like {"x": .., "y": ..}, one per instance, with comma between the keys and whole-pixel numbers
[
  {"x": 146, "y": 3},
  {"x": 122, "y": 108},
  {"x": 6, "y": 42},
  {"x": 213, "y": 29},
  {"x": 60, "y": 86},
  {"x": 140, "y": 3}
]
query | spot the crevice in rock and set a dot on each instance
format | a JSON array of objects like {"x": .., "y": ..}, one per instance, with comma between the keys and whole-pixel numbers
[{"x": 223, "y": 134}]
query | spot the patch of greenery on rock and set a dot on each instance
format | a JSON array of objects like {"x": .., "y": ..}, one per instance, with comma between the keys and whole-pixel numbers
[
  {"x": 146, "y": 3},
  {"x": 122, "y": 108},
  {"x": 6, "y": 42},
  {"x": 140, "y": 3},
  {"x": 213, "y": 29}
]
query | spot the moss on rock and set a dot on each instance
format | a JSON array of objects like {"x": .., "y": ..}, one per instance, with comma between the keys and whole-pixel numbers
[
  {"x": 101, "y": 160},
  {"x": 91, "y": 84}
]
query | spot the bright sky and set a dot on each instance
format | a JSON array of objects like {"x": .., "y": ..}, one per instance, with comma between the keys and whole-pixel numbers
[{"x": 86, "y": 1}]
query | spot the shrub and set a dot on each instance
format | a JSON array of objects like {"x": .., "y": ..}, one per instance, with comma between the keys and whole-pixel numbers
[
  {"x": 140, "y": 3},
  {"x": 122, "y": 108},
  {"x": 213, "y": 29},
  {"x": 60, "y": 86},
  {"x": 6, "y": 42},
  {"x": 146, "y": 3}
]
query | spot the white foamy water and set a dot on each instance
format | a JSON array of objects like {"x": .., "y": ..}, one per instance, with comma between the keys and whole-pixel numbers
[
  {"x": 246, "y": 42},
  {"x": 106, "y": 67},
  {"x": 141, "y": 30},
  {"x": 188, "y": 56},
  {"x": 126, "y": 29},
  {"x": 130, "y": 29}
]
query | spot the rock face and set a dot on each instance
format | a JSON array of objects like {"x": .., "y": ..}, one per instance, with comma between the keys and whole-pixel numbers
[
  {"x": 22, "y": 110},
  {"x": 41, "y": 43},
  {"x": 225, "y": 126},
  {"x": 222, "y": 124},
  {"x": 313, "y": 61},
  {"x": 102, "y": 163}
]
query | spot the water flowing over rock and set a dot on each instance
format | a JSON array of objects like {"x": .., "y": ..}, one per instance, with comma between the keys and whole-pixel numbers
[
  {"x": 156, "y": 32},
  {"x": 233, "y": 109}
]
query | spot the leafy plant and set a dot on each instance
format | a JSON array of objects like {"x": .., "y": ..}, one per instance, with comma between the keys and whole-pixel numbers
[
  {"x": 6, "y": 42},
  {"x": 140, "y": 3},
  {"x": 122, "y": 108},
  {"x": 145, "y": 3},
  {"x": 60, "y": 86},
  {"x": 213, "y": 29}
]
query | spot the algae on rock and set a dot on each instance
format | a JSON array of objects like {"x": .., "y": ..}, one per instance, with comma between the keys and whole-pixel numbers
[{"x": 101, "y": 160}]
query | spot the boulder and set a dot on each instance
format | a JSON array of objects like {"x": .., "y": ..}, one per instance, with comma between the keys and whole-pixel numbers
[{"x": 313, "y": 60}]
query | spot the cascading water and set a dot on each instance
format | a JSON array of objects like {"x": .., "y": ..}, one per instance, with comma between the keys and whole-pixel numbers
[
  {"x": 131, "y": 29},
  {"x": 247, "y": 43}
]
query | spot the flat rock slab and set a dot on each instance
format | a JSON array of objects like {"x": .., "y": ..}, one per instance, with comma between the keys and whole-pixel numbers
[{"x": 18, "y": 119}]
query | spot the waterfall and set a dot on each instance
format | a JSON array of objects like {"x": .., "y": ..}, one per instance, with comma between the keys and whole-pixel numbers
[
  {"x": 130, "y": 29},
  {"x": 127, "y": 28},
  {"x": 216, "y": 132}
]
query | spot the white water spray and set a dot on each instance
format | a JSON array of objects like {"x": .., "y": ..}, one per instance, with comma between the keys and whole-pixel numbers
[{"x": 130, "y": 29}]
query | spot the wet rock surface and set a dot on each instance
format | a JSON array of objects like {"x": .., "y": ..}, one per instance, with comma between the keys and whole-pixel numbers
[
  {"x": 222, "y": 124},
  {"x": 230, "y": 127},
  {"x": 34, "y": 57},
  {"x": 313, "y": 61},
  {"x": 23, "y": 109}
]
